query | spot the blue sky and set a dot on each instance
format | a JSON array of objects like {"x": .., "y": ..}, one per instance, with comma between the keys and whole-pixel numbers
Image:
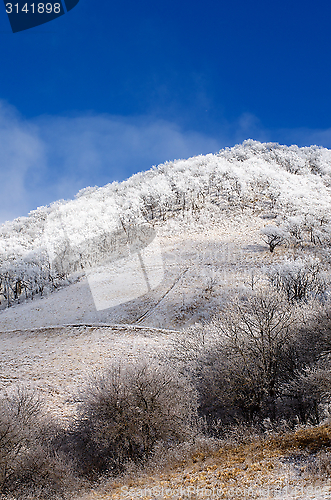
[{"x": 112, "y": 88}]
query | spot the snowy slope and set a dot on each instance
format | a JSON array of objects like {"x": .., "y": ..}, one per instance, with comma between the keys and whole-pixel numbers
[
  {"x": 202, "y": 261},
  {"x": 206, "y": 212},
  {"x": 207, "y": 215}
]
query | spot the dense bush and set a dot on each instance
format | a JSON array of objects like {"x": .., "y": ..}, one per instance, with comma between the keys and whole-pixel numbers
[
  {"x": 29, "y": 465},
  {"x": 308, "y": 395},
  {"x": 259, "y": 358},
  {"x": 238, "y": 377},
  {"x": 126, "y": 411}
]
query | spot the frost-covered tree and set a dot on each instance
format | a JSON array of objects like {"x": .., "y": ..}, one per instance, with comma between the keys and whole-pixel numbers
[
  {"x": 240, "y": 371},
  {"x": 309, "y": 393},
  {"x": 274, "y": 236},
  {"x": 299, "y": 278},
  {"x": 294, "y": 226}
]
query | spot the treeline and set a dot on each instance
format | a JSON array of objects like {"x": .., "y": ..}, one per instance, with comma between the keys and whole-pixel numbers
[
  {"x": 262, "y": 363},
  {"x": 28, "y": 276}
]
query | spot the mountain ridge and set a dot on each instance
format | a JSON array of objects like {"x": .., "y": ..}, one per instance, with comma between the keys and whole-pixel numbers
[{"x": 229, "y": 197}]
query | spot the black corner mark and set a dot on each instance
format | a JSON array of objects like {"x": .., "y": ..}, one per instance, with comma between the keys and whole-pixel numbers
[
  {"x": 70, "y": 4},
  {"x": 25, "y": 15}
]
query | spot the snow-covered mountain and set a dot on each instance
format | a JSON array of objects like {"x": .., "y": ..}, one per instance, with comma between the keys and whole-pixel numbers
[{"x": 206, "y": 217}]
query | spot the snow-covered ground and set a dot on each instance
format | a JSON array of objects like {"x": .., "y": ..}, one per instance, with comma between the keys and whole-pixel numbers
[
  {"x": 202, "y": 260},
  {"x": 57, "y": 361},
  {"x": 37, "y": 350}
]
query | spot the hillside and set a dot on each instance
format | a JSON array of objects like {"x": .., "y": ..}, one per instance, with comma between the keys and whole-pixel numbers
[
  {"x": 183, "y": 270},
  {"x": 57, "y": 361},
  {"x": 200, "y": 264},
  {"x": 204, "y": 216}
]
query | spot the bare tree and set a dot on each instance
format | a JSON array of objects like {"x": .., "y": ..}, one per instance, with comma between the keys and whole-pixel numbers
[
  {"x": 274, "y": 236},
  {"x": 244, "y": 368}
]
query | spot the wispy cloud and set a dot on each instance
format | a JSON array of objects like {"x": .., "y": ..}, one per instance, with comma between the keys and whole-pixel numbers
[
  {"x": 52, "y": 157},
  {"x": 95, "y": 149},
  {"x": 22, "y": 157}
]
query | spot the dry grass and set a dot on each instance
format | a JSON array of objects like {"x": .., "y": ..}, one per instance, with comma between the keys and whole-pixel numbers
[{"x": 271, "y": 467}]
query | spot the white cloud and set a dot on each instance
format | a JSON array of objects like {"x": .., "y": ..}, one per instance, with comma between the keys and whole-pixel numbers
[
  {"x": 49, "y": 158},
  {"x": 96, "y": 149},
  {"x": 21, "y": 157},
  {"x": 52, "y": 157}
]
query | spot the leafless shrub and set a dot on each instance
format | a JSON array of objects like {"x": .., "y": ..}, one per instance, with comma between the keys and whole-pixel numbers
[
  {"x": 257, "y": 330},
  {"x": 186, "y": 347},
  {"x": 312, "y": 340},
  {"x": 18, "y": 413},
  {"x": 29, "y": 466},
  {"x": 262, "y": 358},
  {"x": 238, "y": 361},
  {"x": 127, "y": 410},
  {"x": 309, "y": 392}
]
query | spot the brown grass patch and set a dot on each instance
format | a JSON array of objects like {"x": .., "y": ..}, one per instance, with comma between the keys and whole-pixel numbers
[{"x": 228, "y": 471}]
